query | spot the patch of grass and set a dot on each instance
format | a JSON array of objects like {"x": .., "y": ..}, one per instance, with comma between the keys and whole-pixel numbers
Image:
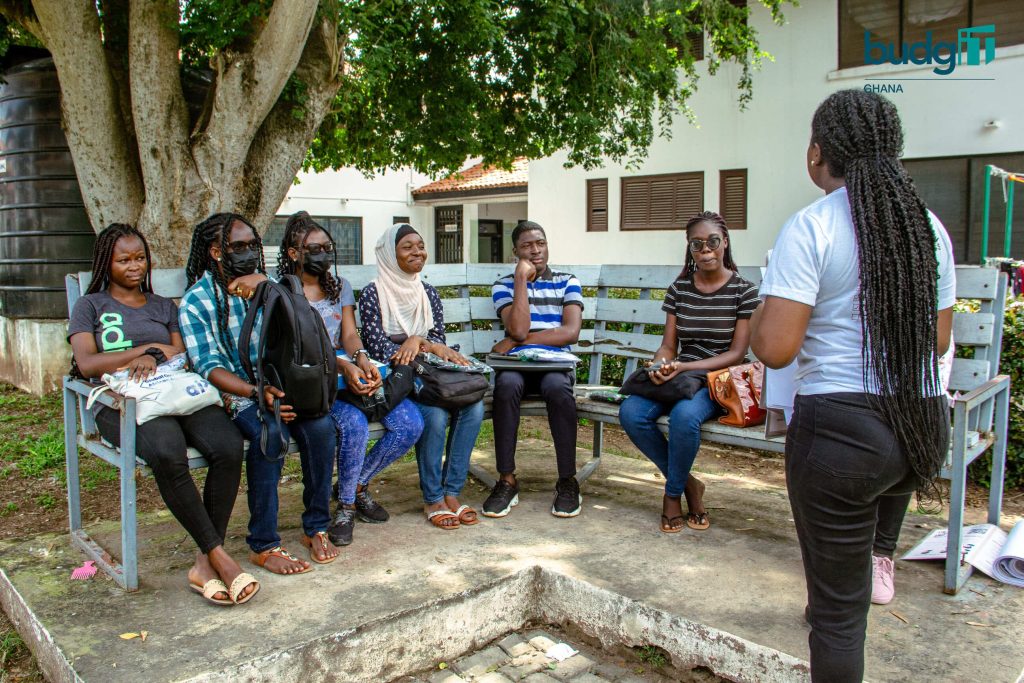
[
  {"x": 46, "y": 501},
  {"x": 8, "y": 509},
  {"x": 11, "y": 646},
  {"x": 486, "y": 435},
  {"x": 652, "y": 655},
  {"x": 39, "y": 456}
]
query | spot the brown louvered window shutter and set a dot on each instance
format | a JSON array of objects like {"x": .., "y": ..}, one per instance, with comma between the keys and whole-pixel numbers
[
  {"x": 661, "y": 202},
  {"x": 597, "y": 205},
  {"x": 732, "y": 197}
]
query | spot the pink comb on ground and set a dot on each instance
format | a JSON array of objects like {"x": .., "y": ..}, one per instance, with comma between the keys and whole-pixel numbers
[{"x": 86, "y": 571}]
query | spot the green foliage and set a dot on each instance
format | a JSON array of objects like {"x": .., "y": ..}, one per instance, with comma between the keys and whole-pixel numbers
[
  {"x": 652, "y": 655},
  {"x": 210, "y": 26}
]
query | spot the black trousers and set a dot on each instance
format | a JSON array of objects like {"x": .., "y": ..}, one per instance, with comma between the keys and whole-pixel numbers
[
  {"x": 555, "y": 388},
  {"x": 161, "y": 442},
  {"x": 842, "y": 463}
]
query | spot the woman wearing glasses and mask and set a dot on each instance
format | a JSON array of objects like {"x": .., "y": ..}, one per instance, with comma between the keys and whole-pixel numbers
[
  {"x": 707, "y": 327},
  {"x": 308, "y": 251}
]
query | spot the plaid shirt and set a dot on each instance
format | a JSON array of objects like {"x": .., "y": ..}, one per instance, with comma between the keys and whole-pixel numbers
[{"x": 197, "y": 318}]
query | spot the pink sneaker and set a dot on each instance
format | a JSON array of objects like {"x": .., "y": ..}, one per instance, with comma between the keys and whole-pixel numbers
[{"x": 882, "y": 577}]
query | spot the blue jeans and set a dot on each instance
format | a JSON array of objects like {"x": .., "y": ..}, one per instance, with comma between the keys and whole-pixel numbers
[
  {"x": 441, "y": 476},
  {"x": 355, "y": 465},
  {"x": 316, "y": 440},
  {"x": 674, "y": 456}
]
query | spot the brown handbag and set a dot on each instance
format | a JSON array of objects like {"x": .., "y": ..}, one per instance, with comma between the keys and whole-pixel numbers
[{"x": 738, "y": 390}]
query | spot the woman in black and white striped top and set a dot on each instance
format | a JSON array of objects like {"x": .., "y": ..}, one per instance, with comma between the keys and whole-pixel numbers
[{"x": 707, "y": 327}]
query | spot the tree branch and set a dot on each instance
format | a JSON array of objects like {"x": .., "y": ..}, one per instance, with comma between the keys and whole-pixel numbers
[
  {"x": 20, "y": 13},
  {"x": 248, "y": 86},
  {"x": 104, "y": 162}
]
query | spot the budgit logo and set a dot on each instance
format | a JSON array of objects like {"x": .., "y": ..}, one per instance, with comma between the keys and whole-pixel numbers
[{"x": 971, "y": 42}]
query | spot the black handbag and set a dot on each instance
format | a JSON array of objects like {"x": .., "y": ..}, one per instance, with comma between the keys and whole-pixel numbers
[
  {"x": 450, "y": 389},
  {"x": 394, "y": 389},
  {"x": 682, "y": 386}
]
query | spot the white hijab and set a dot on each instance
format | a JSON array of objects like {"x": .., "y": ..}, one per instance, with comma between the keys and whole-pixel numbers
[{"x": 404, "y": 306}]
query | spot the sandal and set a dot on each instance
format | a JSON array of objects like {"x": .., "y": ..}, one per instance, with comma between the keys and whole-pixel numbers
[
  {"x": 467, "y": 515},
  {"x": 238, "y": 585},
  {"x": 668, "y": 524},
  {"x": 698, "y": 520},
  {"x": 320, "y": 536},
  {"x": 210, "y": 589},
  {"x": 260, "y": 559},
  {"x": 438, "y": 517}
]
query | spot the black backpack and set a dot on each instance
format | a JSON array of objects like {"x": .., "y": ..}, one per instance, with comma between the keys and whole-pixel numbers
[
  {"x": 449, "y": 389},
  {"x": 295, "y": 353}
]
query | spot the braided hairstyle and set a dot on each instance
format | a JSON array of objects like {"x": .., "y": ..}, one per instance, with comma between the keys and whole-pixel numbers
[
  {"x": 215, "y": 230},
  {"x": 716, "y": 220},
  {"x": 103, "y": 254},
  {"x": 861, "y": 140},
  {"x": 299, "y": 226}
]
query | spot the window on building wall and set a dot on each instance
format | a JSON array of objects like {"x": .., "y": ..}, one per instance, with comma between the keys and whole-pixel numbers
[
  {"x": 954, "y": 189},
  {"x": 597, "y": 205},
  {"x": 346, "y": 231},
  {"x": 395, "y": 220},
  {"x": 696, "y": 38},
  {"x": 732, "y": 197},
  {"x": 908, "y": 21},
  {"x": 661, "y": 202}
]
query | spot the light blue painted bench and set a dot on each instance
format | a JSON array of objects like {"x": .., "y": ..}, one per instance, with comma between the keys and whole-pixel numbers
[{"x": 980, "y": 414}]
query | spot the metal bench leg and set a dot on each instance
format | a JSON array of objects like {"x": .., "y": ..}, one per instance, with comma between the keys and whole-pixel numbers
[
  {"x": 1000, "y": 426},
  {"x": 71, "y": 460},
  {"x": 590, "y": 467},
  {"x": 482, "y": 475},
  {"x": 957, "y": 571},
  {"x": 129, "y": 529}
]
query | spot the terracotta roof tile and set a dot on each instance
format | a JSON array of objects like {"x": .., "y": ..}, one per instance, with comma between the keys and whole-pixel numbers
[{"x": 479, "y": 177}]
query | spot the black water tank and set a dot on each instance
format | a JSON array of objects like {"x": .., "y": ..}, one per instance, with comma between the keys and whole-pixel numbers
[{"x": 44, "y": 230}]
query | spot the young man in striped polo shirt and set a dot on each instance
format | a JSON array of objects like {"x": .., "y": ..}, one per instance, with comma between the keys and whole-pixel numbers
[{"x": 542, "y": 307}]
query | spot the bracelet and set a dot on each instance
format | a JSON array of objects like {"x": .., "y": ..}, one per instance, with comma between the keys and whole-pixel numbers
[
  {"x": 156, "y": 354},
  {"x": 355, "y": 354},
  {"x": 255, "y": 394}
]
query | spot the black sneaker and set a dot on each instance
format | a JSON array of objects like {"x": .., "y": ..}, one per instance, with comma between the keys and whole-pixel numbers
[
  {"x": 340, "y": 532},
  {"x": 504, "y": 496},
  {"x": 568, "y": 500},
  {"x": 369, "y": 510}
]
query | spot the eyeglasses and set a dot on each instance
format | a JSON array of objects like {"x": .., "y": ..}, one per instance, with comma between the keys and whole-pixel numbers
[
  {"x": 242, "y": 247},
  {"x": 713, "y": 242},
  {"x": 314, "y": 249}
]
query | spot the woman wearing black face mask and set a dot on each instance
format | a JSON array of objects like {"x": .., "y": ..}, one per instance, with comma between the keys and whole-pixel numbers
[{"x": 308, "y": 251}]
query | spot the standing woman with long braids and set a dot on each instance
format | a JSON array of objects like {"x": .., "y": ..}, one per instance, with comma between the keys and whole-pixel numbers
[
  {"x": 308, "y": 251},
  {"x": 224, "y": 267},
  {"x": 120, "y": 322},
  {"x": 707, "y": 316},
  {"x": 859, "y": 289}
]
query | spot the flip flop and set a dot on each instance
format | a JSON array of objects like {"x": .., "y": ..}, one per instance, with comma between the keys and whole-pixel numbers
[
  {"x": 238, "y": 585},
  {"x": 438, "y": 516},
  {"x": 698, "y": 520},
  {"x": 463, "y": 513},
  {"x": 308, "y": 542},
  {"x": 668, "y": 522},
  {"x": 260, "y": 559},
  {"x": 210, "y": 589}
]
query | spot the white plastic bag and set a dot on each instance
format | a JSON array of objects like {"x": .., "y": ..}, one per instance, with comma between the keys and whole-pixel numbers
[{"x": 171, "y": 391}]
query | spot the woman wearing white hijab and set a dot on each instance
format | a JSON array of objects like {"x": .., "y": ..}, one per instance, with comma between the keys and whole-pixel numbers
[{"x": 401, "y": 317}]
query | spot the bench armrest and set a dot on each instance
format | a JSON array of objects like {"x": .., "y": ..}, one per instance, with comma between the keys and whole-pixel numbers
[
  {"x": 83, "y": 388},
  {"x": 989, "y": 389}
]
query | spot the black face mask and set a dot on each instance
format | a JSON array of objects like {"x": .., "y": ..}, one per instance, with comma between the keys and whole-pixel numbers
[
  {"x": 316, "y": 264},
  {"x": 237, "y": 265}
]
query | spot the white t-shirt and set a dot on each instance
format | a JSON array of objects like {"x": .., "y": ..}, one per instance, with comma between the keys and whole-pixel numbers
[{"x": 815, "y": 262}]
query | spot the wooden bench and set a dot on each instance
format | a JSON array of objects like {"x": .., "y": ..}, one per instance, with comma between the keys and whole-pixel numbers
[{"x": 615, "y": 327}]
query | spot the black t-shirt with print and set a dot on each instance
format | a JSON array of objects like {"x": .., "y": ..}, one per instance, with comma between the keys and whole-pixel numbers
[{"x": 117, "y": 327}]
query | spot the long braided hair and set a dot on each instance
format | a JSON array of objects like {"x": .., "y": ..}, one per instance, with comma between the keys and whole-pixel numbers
[
  {"x": 215, "y": 230},
  {"x": 861, "y": 140},
  {"x": 299, "y": 225},
  {"x": 690, "y": 266},
  {"x": 103, "y": 256}
]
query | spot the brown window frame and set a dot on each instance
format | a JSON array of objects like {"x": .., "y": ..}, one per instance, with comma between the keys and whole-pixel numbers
[
  {"x": 592, "y": 225},
  {"x": 679, "y": 223},
  {"x": 731, "y": 221}
]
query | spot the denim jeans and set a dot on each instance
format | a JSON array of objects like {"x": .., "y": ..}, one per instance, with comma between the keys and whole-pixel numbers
[
  {"x": 555, "y": 387},
  {"x": 316, "y": 438},
  {"x": 673, "y": 456},
  {"x": 842, "y": 462},
  {"x": 442, "y": 476}
]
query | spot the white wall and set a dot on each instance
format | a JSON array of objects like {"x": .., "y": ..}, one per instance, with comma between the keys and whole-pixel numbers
[
  {"x": 376, "y": 200},
  {"x": 940, "y": 118}
]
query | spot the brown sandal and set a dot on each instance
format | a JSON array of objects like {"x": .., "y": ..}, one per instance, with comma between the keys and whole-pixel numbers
[
  {"x": 320, "y": 536},
  {"x": 668, "y": 524},
  {"x": 698, "y": 520},
  {"x": 260, "y": 559},
  {"x": 439, "y": 517},
  {"x": 467, "y": 515}
]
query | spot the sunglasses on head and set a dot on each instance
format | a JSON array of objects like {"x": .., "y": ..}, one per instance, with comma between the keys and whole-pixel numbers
[{"x": 713, "y": 242}]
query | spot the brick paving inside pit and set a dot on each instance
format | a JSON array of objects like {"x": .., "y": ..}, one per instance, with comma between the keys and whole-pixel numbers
[{"x": 521, "y": 656}]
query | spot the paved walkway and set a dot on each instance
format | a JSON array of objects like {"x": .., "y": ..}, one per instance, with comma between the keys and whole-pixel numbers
[{"x": 743, "y": 576}]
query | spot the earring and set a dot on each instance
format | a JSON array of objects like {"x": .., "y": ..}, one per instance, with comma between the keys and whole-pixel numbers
[{"x": 218, "y": 258}]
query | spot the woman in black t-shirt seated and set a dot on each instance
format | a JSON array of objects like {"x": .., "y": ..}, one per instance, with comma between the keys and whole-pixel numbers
[
  {"x": 707, "y": 327},
  {"x": 121, "y": 323}
]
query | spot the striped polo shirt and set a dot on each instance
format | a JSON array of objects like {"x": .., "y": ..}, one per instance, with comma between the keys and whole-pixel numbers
[
  {"x": 549, "y": 294},
  {"x": 705, "y": 323}
]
